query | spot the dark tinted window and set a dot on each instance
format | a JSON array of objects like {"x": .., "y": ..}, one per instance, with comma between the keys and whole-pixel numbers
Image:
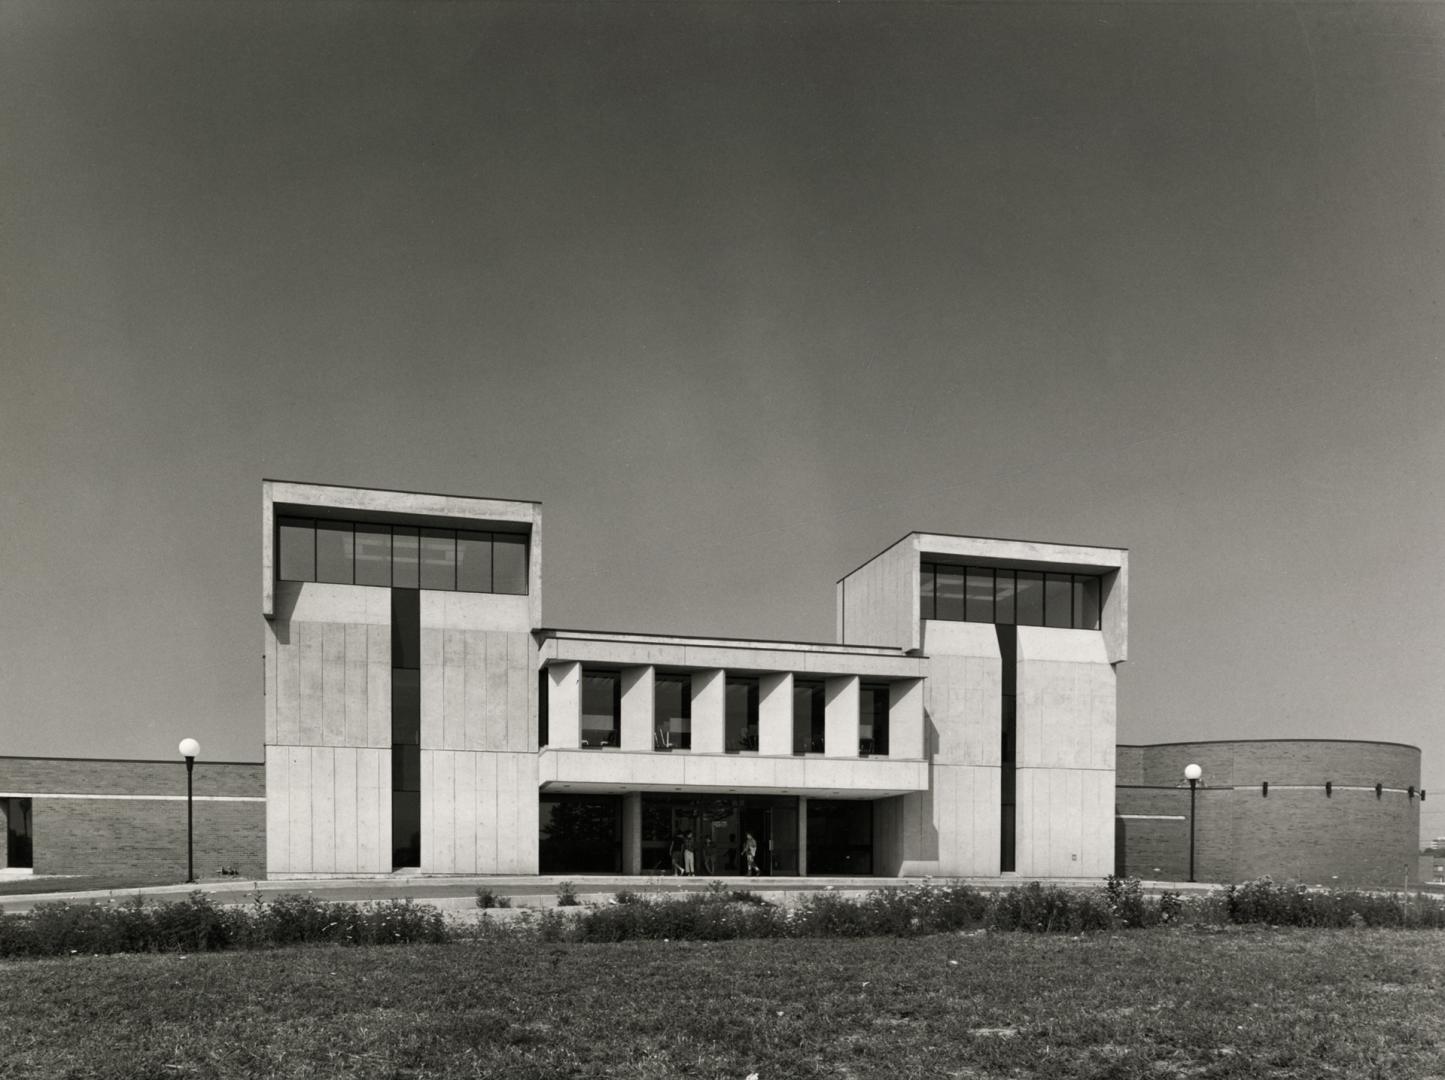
[
  {"x": 950, "y": 593},
  {"x": 373, "y": 554},
  {"x": 925, "y": 592},
  {"x": 1003, "y": 596},
  {"x": 1086, "y": 603},
  {"x": 672, "y": 713},
  {"x": 601, "y": 704},
  {"x": 474, "y": 562},
  {"x": 404, "y": 542},
  {"x": 873, "y": 720},
  {"x": 808, "y": 717},
  {"x": 1030, "y": 598},
  {"x": 296, "y": 550},
  {"x": 438, "y": 559},
  {"x": 740, "y": 724},
  {"x": 509, "y": 564},
  {"x": 978, "y": 595},
  {"x": 334, "y": 551},
  {"x": 1058, "y": 599}
]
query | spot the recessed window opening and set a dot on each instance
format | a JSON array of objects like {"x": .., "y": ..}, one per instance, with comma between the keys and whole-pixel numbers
[
  {"x": 672, "y": 712},
  {"x": 808, "y": 716},
  {"x": 400, "y": 556},
  {"x": 873, "y": 720},
  {"x": 740, "y": 720},
  {"x": 601, "y": 708},
  {"x": 986, "y": 594}
]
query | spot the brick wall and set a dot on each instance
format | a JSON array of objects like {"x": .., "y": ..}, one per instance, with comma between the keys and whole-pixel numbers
[
  {"x": 140, "y": 836},
  {"x": 97, "y": 776},
  {"x": 1297, "y": 833}
]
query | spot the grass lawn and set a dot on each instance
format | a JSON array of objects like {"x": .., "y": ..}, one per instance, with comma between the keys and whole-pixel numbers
[
  {"x": 1237, "y": 1003},
  {"x": 27, "y": 885}
]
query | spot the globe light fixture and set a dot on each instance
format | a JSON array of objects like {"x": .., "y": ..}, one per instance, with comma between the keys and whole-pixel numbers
[
  {"x": 1192, "y": 773},
  {"x": 190, "y": 750}
]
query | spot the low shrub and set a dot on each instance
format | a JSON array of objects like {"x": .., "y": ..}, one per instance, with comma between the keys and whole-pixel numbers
[
  {"x": 1044, "y": 908},
  {"x": 566, "y": 894},
  {"x": 488, "y": 899},
  {"x": 1294, "y": 904}
]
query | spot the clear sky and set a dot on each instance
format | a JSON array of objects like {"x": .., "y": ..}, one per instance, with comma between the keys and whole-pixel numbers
[{"x": 742, "y": 292}]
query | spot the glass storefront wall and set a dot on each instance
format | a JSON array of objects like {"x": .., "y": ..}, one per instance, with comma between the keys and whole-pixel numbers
[
  {"x": 580, "y": 834},
  {"x": 715, "y": 828},
  {"x": 708, "y": 833},
  {"x": 840, "y": 837}
]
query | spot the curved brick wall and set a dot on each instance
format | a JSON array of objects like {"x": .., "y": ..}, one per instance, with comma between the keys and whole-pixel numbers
[{"x": 1350, "y": 837}]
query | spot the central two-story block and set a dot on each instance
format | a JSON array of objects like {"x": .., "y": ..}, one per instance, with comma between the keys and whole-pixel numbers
[{"x": 419, "y": 715}]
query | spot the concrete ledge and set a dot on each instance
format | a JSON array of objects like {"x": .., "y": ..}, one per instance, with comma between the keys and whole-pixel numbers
[{"x": 607, "y": 770}]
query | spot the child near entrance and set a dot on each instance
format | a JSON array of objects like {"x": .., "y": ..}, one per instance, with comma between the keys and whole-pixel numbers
[{"x": 750, "y": 854}]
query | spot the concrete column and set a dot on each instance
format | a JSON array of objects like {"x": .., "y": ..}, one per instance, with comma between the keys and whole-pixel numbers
[
  {"x": 775, "y": 713},
  {"x": 638, "y": 686},
  {"x": 4, "y": 829},
  {"x": 564, "y": 705},
  {"x": 802, "y": 836},
  {"x": 632, "y": 831},
  {"x": 905, "y": 719},
  {"x": 840, "y": 717},
  {"x": 707, "y": 711}
]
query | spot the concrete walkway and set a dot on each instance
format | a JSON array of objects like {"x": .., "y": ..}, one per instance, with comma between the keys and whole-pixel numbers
[{"x": 459, "y": 893}]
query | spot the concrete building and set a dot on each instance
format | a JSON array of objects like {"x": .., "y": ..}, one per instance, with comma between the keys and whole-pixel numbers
[{"x": 420, "y": 714}]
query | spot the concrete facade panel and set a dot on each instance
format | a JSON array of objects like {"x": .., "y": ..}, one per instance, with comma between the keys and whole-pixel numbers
[
  {"x": 637, "y": 707},
  {"x": 775, "y": 713},
  {"x": 707, "y": 711},
  {"x": 877, "y": 604},
  {"x": 840, "y": 716}
]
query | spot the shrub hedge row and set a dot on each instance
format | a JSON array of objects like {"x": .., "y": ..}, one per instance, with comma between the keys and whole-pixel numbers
[
  {"x": 197, "y": 924},
  {"x": 939, "y": 908}
]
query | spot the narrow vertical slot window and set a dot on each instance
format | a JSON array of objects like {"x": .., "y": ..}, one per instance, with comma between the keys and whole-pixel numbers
[
  {"x": 1008, "y": 756},
  {"x": 406, "y": 837}
]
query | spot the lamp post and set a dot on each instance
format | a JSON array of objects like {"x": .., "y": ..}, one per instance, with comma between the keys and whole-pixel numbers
[
  {"x": 1192, "y": 773},
  {"x": 190, "y": 750}
]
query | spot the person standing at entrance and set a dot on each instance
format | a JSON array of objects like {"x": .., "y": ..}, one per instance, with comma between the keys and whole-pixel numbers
[
  {"x": 709, "y": 854},
  {"x": 688, "y": 854},
  {"x": 674, "y": 852},
  {"x": 750, "y": 854}
]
